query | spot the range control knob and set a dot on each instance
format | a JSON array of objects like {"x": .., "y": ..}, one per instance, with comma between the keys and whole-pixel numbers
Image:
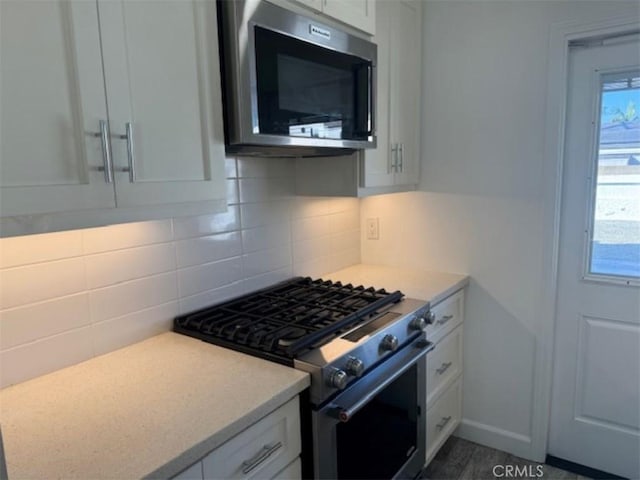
[
  {"x": 354, "y": 367},
  {"x": 337, "y": 379},
  {"x": 389, "y": 343},
  {"x": 430, "y": 317},
  {"x": 418, "y": 323}
]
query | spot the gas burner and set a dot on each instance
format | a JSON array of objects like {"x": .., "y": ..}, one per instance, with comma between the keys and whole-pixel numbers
[{"x": 283, "y": 321}]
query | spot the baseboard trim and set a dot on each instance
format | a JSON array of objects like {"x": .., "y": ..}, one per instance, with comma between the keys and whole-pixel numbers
[
  {"x": 580, "y": 469},
  {"x": 511, "y": 442}
]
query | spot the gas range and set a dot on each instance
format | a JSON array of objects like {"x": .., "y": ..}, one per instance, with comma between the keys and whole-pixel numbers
[
  {"x": 365, "y": 350},
  {"x": 335, "y": 332}
]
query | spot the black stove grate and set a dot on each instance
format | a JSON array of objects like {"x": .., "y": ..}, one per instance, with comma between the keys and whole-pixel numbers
[{"x": 287, "y": 319}]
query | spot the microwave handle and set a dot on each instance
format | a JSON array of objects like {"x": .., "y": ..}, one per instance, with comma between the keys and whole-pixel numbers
[
  {"x": 419, "y": 349},
  {"x": 372, "y": 103}
]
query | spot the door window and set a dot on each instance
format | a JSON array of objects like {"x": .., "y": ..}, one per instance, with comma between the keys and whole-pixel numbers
[{"x": 615, "y": 211}]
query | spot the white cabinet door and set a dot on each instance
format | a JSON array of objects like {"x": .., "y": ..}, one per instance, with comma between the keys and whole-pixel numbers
[
  {"x": 396, "y": 160},
  {"x": 162, "y": 77},
  {"x": 52, "y": 101},
  {"x": 378, "y": 161},
  {"x": 360, "y": 14},
  {"x": 405, "y": 89},
  {"x": 312, "y": 4}
]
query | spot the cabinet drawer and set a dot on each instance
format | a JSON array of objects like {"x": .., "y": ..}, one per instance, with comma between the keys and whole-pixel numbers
[
  {"x": 443, "y": 417},
  {"x": 262, "y": 450},
  {"x": 444, "y": 364},
  {"x": 449, "y": 313},
  {"x": 291, "y": 472}
]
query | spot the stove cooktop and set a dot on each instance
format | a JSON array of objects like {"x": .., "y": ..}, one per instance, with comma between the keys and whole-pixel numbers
[{"x": 286, "y": 320}]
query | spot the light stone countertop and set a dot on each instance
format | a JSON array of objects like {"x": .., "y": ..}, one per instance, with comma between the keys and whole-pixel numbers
[
  {"x": 148, "y": 410},
  {"x": 419, "y": 284}
]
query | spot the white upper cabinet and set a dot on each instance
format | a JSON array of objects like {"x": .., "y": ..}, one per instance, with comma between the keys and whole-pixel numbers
[
  {"x": 163, "y": 91},
  {"x": 52, "y": 101},
  {"x": 158, "y": 101},
  {"x": 360, "y": 14},
  {"x": 396, "y": 160}
]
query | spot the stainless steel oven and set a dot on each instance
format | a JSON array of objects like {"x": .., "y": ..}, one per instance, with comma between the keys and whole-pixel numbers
[
  {"x": 293, "y": 85},
  {"x": 375, "y": 429}
]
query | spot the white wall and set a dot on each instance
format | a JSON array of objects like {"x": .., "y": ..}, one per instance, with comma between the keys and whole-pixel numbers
[
  {"x": 68, "y": 296},
  {"x": 480, "y": 210}
]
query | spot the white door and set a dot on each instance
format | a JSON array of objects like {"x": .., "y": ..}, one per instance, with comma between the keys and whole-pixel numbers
[
  {"x": 164, "y": 96},
  {"x": 357, "y": 13},
  {"x": 52, "y": 101},
  {"x": 595, "y": 413}
]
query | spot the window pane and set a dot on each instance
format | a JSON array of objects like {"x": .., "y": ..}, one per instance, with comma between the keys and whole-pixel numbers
[{"x": 615, "y": 248}]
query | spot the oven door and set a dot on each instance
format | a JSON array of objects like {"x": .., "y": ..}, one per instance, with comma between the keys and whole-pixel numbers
[{"x": 375, "y": 428}]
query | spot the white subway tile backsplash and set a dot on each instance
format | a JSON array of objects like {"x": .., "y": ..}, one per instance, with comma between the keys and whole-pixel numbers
[
  {"x": 119, "y": 332},
  {"x": 46, "y": 355},
  {"x": 261, "y": 281},
  {"x": 344, "y": 221},
  {"x": 305, "y": 207},
  {"x": 254, "y": 190},
  {"x": 253, "y": 167},
  {"x": 201, "y": 278},
  {"x": 47, "y": 247},
  {"x": 65, "y": 297},
  {"x": 207, "y": 249},
  {"x": 310, "y": 227},
  {"x": 115, "y": 267},
  {"x": 26, "y": 324},
  {"x": 264, "y": 261},
  {"x": 42, "y": 281},
  {"x": 190, "y": 227},
  {"x": 210, "y": 297},
  {"x": 266, "y": 236},
  {"x": 130, "y": 297},
  {"x": 127, "y": 235},
  {"x": 267, "y": 213},
  {"x": 311, "y": 248}
]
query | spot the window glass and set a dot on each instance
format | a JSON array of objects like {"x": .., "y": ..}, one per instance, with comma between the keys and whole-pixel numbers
[{"x": 615, "y": 239}]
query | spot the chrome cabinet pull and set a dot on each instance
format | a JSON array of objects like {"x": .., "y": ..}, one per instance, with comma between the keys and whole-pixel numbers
[
  {"x": 443, "y": 368},
  {"x": 260, "y": 457},
  {"x": 444, "y": 422},
  {"x": 444, "y": 319},
  {"x": 107, "y": 166},
  {"x": 392, "y": 164},
  {"x": 401, "y": 155},
  {"x": 131, "y": 159}
]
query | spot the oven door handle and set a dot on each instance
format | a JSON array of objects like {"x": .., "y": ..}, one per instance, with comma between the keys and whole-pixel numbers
[{"x": 344, "y": 414}]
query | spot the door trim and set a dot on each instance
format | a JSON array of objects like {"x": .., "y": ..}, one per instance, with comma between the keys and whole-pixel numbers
[{"x": 561, "y": 35}]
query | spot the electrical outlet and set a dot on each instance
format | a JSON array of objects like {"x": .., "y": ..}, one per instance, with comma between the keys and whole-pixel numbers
[{"x": 373, "y": 229}]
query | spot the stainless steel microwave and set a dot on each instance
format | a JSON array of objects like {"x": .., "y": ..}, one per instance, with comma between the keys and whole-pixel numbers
[{"x": 293, "y": 86}]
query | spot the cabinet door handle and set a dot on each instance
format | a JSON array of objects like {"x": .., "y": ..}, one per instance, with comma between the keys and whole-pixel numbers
[
  {"x": 401, "y": 155},
  {"x": 392, "y": 164},
  {"x": 444, "y": 319},
  {"x": 260, "y": 457},
  {"x": 443, "y": 368},
  {"x": 107, "y": 166},
  {"x": 131, "y": 159},
  {"x": 443, "y": 423}
]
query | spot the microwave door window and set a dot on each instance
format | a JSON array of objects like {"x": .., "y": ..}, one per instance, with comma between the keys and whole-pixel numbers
[{"x": 308, "y": 91}]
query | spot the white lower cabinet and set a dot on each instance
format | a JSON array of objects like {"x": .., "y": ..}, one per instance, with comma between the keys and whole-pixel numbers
[
  {"x": 270, "y": 448},
  {"x": 444, "y": 372},
  {"x": 443, "y": 417}
]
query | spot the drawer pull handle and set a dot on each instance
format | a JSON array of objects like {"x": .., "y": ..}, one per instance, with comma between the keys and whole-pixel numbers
[
  {"x": 260, "y": 457},
  {"x": 444, "y": 422},
  {"x": 443, "y": 368},
  {"x": 444, "y": 319}
]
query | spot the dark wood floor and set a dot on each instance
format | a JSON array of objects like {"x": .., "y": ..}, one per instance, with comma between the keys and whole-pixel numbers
[{"x": 460, "y": 459}]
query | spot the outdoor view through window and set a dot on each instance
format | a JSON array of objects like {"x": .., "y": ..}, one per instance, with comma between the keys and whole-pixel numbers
[{"x": 615, "y": 247}]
